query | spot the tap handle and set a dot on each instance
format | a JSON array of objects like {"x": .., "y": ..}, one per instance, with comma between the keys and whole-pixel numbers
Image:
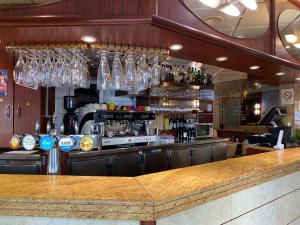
[
  {"x": 37, "y": 127},
  {"x": 48, "y": 127},
  {"x": 92, "y": 128},
  {"x": 62, "y": 129},
  {"x": 76, "y": 127}
]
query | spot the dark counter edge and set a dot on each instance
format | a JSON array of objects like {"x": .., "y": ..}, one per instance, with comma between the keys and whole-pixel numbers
[{"x": 79, "y": 154}]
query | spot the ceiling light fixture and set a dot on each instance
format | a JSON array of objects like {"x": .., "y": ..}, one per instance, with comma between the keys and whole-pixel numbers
[
  {"x": 222, "y": 59},
  {"x": 298, "y": 78},
  {"x": 175, "y": 47},
  {"x": 297, "y": 45},
  {"x": 211, "y": 3},
  {"x": 257, "y": 85},
  {"x": 254, "y": 67},
  {"x": 250, "y": 4},
  {"x": 231, "y": 10},
  {"x": 88, "y": 39},
  {"x": 291, "y": 38},
  {"x": 280, "y": 73}
]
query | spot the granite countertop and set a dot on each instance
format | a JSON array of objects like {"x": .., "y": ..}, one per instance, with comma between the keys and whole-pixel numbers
[{"x": 147, "y": 197}]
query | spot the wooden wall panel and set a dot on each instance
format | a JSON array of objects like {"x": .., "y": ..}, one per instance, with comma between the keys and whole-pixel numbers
[{"x": 88, "y": 8}]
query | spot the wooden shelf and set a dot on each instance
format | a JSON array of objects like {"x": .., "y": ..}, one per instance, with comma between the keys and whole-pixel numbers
[
  {"x": 206, "y": 113},
  {"x": 175, "y": 98},
  {"x": 177, "y": 86}
]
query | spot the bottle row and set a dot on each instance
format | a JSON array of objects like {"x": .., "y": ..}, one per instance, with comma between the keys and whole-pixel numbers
[
  {"x": 192, "y": 75},
  {"x": 182, "y": 129}
]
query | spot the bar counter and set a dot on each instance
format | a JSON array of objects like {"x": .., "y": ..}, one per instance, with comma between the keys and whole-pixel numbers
[{"x": 143, "y": 198}]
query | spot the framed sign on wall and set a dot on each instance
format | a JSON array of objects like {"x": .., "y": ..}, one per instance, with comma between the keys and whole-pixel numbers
[{"x": 3, "y": 83}]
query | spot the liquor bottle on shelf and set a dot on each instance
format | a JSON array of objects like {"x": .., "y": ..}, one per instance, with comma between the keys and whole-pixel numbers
[
  {"x": 191, "y": 74},
  {"x": 169, "y": 74},
  {"x": 185, "y": 134},
  {"x": 209, "y": 80},
  {"x": 203, "y": 76},
  {"x": 171, "y": 124},
  {"x": 163, "y": 72},
  {"x": 176, "y": 74},
  {"x": 184, "y": 78}
]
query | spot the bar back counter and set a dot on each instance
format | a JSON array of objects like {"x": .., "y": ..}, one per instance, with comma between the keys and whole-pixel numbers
[{"x": 259, "y": 189}]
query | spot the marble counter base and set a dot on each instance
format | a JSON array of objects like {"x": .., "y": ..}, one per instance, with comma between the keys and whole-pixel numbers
[
  {"x": 273, "y": 203},
  {"x": 145, "y": 198}
]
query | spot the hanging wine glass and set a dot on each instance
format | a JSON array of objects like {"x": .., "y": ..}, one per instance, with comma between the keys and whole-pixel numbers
[
  {"x": 58, "y": 70},
  {"x": 144, "y": 72},
  {"x": 46, "y": 72},
  {"x": 74, "y": 70},
  {"x": 117, "y": 74},
  {"x": 84, "y": 73},
  {"x": 155, "y": 80},
  {"x": 103, "y": 75},
  {"x": 131, "y": 77},
  {"x": 32, "y": 72},
  {"x": 19, "y": 71}
]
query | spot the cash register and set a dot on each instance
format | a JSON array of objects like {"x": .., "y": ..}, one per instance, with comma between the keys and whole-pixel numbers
[{"x": 272, "y": 119}]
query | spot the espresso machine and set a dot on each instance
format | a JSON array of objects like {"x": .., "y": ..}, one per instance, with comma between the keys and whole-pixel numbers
[
  {"x": 118, "y": 128},
  {"x": 70, "y": 118}
]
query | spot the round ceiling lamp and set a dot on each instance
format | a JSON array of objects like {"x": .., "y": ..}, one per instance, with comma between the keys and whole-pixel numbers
[
  {"x": 230, "y": 10},
  {"x": 250, "y": 4},
  {"x": 291, "y": 38},
  {"x": 211, "y": 3}
]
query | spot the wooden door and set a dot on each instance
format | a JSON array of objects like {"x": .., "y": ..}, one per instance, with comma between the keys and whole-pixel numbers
[
  {"x": 27, "y": 109},
  {"x": 6, "y": 102}
]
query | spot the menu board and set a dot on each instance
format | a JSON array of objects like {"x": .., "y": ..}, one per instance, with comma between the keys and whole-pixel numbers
[{"x": 231, "y": 112}]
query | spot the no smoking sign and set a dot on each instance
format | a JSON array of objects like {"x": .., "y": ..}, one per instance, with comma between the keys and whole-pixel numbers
[{"x": 287, "y": 96}]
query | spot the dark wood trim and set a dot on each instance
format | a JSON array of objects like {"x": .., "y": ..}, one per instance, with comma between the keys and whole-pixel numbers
[
  {"x": 200, "y": 35},
  {"x": 28, "y": 21},
  {"x": 273, "y": 25},
  {"x": 296, "y": 2},
  {"x": 148, "y": 223}
]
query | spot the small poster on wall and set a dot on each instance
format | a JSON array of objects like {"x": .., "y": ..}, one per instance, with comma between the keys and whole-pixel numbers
[
  {"x": 3, "y": 83},
  {"x": 287, "y": 96}
]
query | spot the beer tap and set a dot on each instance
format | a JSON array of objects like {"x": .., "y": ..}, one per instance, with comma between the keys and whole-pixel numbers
[
  {"x": 48, "y": 127},
  {"x": 37, "y": 127},
  {"x": 92, "y": 128},
  {"x": 62, "y": 129},
  {"x": 76, "y": 127}
]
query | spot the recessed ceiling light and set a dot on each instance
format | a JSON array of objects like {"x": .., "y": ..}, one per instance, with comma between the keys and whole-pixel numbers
[
  {"x": 258, "y": 85},
  {"x": 211, "y": 3},
  {"x": 230, "y": 10},
  {"x": 250, "y": 4},
  {"x": 88, "y": 39},
  {"x": 175, "y": 47},
  {"x": 291, "y": 38},
  {"x": 254, "y": 67},
  {"x": 297, "y": 45},
  {"x": 280, "y": 73},
  {"x": 222, "y": 59},
  {"x": 298, "y": 78}
]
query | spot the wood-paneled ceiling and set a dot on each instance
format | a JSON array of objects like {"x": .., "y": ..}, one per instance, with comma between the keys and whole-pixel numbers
[
  {"x": 5, "y": 4},
  {"x": 142, "y": 30}
]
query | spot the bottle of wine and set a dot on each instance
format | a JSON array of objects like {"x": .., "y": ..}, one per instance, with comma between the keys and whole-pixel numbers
[{"x": 171, "y": 124}]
